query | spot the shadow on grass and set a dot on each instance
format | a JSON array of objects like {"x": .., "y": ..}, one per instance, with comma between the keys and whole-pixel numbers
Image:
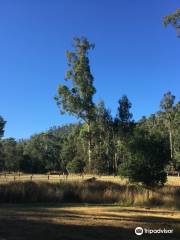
[
  {"x": 75, "y": 215},
  {"x": 20, "y": 224},
  {"x": 39, "y": 230}
]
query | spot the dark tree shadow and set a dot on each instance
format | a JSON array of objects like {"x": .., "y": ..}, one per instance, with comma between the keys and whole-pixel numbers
[{"x": 14, "y": 228}]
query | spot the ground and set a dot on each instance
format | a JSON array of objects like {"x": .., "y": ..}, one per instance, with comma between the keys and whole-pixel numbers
[{"x": 84, "y": 222}]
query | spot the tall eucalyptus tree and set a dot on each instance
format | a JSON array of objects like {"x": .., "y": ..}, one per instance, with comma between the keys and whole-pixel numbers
[{"x": 76, "y": 98}]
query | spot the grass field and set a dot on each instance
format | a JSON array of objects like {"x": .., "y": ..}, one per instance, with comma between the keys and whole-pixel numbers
[
  {"x": 173, "y": 181},
  {"x": 82, "y": 222},
  {"x": 42, "y": 212}
]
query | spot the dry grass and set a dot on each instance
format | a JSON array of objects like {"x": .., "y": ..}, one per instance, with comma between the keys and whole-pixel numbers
[
  {"x": 101, "y": 192},
  {"x": 84, "y": 222},
  {"x": 172, "y": 181}
]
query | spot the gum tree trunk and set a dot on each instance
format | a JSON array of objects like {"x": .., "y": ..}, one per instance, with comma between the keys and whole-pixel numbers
[{"x": 89, "y": 148}]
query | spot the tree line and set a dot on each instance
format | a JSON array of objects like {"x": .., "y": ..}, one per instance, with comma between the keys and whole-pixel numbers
[{"x": 142, "y": 151}]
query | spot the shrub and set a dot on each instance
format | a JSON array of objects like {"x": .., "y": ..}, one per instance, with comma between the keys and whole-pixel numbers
[
  {"x": 76, "y": 166},
  {"x": 146, "y": 161}
]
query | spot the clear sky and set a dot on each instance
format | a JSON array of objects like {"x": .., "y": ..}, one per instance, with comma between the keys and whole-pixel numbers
[{"x": 134, "y": 55}]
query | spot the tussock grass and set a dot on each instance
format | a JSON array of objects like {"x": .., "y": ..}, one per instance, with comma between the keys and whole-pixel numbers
[{"x": 99, "y": 192}]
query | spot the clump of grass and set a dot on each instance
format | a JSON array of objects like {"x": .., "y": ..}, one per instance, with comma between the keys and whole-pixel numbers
[{"x": 89, "y": 192}]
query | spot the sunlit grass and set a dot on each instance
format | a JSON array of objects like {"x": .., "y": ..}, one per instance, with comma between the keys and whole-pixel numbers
[
  {"x": 172, "y": 180},
  {"x": 101, "y": 192}
]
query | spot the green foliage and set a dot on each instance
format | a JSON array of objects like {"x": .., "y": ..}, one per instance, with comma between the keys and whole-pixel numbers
[
  {"x": 167, "y": 102},
  {"x": 72, "y": 148},
  {"x": 77, "y": 99},
  {"x": 102, "y": 131},
  {"x": 2, "y": 125},
  {"x": 147, "y": 159},
  {"x": 176, "y": 133},
  {"x": 124, "y": 116},
  {"x": 43, "y": 153},
  {"x": 174, "y": 20},
  {"x": 76, "y": 166},
  {"x": 10, "y": 155},
  {"x": 122, "y": 130},
  {"x": 169, "y": 122}
]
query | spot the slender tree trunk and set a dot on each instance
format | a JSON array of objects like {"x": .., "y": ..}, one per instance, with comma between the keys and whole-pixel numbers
[
  {"x": 171, "y": 143},
  {"x": 115, "y": 161},
  {"x": 172, "y": 149},
  {"x": 114, "y": 170},
  {"x": 89, "y": 148},
  {"x": 114, "y": 154}
]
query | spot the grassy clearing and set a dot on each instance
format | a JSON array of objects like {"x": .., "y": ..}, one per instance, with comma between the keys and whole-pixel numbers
[
  {"x": 84, "y": 222},
  {"x": 97, "y": 192},
  {"x": 68, "y": 210},
  {"x": 172, "y": 180}
]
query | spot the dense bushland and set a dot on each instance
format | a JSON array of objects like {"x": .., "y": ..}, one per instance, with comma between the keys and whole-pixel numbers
[{"x": 137, "y": 150}]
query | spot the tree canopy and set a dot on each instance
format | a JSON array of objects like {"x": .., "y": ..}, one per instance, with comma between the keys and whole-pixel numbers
[
  {"x": 174, "y": 20},
  {"x": 77, "y": 99}
]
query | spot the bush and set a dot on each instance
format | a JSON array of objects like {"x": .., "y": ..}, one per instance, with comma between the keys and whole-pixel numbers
[
  {"x": 146, "y": 160},
  {"x": 76, "y": 166}
]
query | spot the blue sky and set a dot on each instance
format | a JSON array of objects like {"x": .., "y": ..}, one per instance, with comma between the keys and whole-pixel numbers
[{"x": 134, "y": 55}]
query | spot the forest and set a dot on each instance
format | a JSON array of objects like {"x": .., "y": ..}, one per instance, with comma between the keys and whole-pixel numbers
[{"x": 143, "y": 151}]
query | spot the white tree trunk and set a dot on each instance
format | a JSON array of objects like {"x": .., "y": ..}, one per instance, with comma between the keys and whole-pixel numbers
[{"x": 89, "y": 147}]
